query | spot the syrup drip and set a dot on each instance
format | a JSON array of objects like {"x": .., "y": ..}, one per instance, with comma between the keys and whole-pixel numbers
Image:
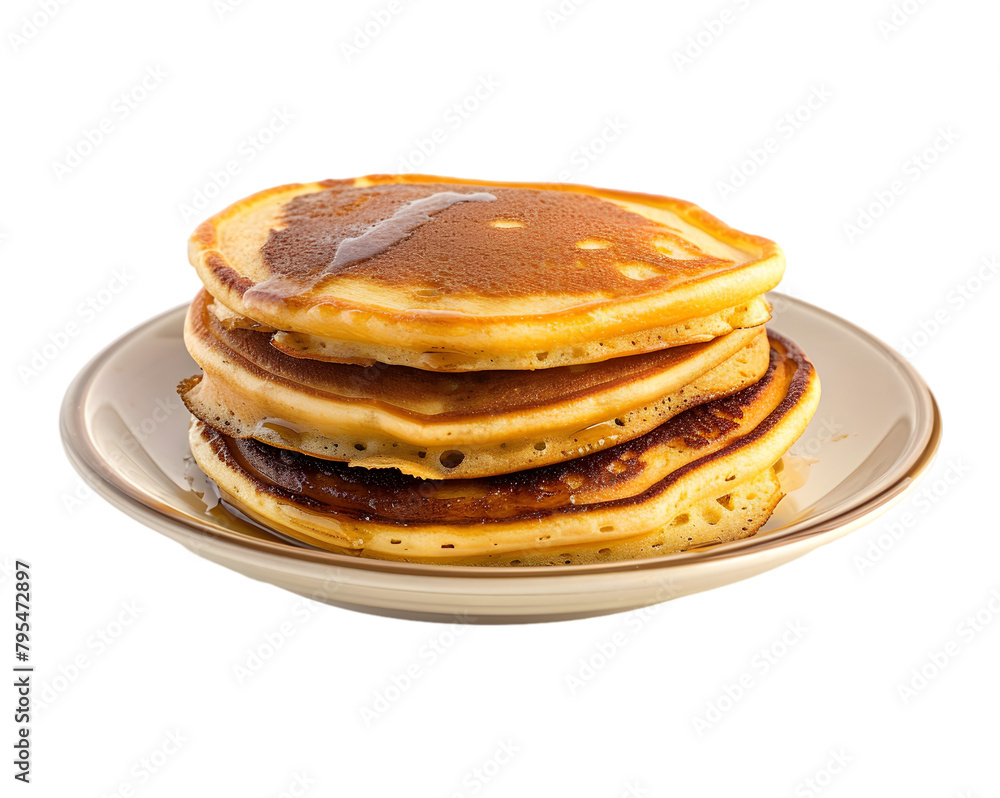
[
  {"x": 376, "y": 239},
  {"x": 398, "y": 226}
]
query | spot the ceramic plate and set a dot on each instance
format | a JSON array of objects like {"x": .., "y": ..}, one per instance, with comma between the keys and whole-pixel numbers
[{"x": 876, "y": 429}]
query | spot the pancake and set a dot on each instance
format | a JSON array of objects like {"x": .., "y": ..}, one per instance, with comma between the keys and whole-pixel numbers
[
  {"x": 628, "y": 500},
  {"x": 439, "y": 425},
  {"x": 753, "y": 313},
  {"x": 458, "y": 275}
]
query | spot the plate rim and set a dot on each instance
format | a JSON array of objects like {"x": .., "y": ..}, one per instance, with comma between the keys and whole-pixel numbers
[{"x": 96, "y": 470}]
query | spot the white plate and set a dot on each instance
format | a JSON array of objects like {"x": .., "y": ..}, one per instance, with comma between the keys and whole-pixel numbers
[{"x": 876, "y": 429}]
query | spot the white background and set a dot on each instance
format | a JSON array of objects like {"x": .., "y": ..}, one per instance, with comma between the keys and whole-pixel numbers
[{"x": 593, "y": 94}]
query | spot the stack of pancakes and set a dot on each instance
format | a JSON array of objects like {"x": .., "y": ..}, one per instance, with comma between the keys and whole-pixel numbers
[{"x": 451, "y": 371}]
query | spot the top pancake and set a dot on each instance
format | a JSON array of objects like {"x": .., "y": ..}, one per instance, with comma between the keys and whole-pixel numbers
[{"x": 396, "y": 268}]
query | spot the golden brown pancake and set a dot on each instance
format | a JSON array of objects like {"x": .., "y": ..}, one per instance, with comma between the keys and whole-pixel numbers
[
  {"x": 751, "y": 314},
  {"x": 446, "y": 274},
  {"x": 440, "y": 425},
  {"x": 712, "y": 463}
]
